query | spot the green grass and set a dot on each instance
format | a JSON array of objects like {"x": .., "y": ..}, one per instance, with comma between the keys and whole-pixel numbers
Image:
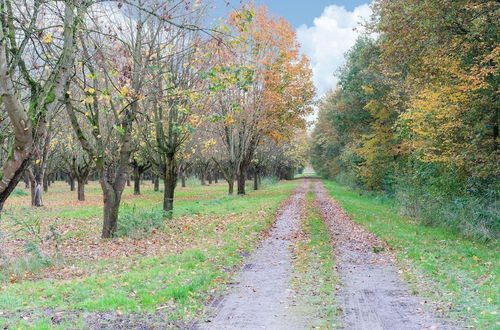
[
  {"x": 217, "y": 230},
  {"x": 315, "y": 278},
  {"x": 461, "y": 275},
  {"x": 60, "y": 192},
  {"x": 305, "y": 175}
]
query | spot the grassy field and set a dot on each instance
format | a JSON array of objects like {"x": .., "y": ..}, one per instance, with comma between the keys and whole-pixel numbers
[
  {"x": 461, "y": 275},
  {"x": 174, "y": 269},
  {"x": 314, "y": 279}
]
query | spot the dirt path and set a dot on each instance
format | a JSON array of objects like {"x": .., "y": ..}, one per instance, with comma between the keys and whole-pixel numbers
[
  {"x": 258, "y": 299},
  {"x": 372, "y": 295}
]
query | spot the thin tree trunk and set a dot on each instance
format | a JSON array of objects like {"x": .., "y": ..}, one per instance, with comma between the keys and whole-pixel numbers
[
  {"x": 36, "y": 193},
  {"x": 241, "y": 182},
  {"x": 46, "y": 185},
  {"x": 230, "y": 187},
  {"x": 71, "y": 182},
  {"x": 137, "y": 181},
  {"x": 183, "y": 180},
  {"x": 169, "y": 185},
  {"x": 256, "y": 180},
  {"x": 81, "y": 190},
  {"x": 156, "y": 182},
  {"x": 36, "y": 185}
]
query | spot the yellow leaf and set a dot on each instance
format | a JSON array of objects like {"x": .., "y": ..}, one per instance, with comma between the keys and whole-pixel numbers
[
  {"x": 124, "y": 92},
  {"x": 88, "y": 99},
  {"x": 48, "y": 38}
]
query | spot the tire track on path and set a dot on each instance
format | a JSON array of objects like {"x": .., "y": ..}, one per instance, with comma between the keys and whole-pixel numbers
[
  {"x": 259, "y": 298},
  {"x": 372, "y": 294}
]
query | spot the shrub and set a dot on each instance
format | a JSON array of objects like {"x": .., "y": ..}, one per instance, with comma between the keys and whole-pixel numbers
[
  {"x": 30, "y": 263},
  {"x": 268, "y": 181},
  {"x": 437, "y": 199},
  {"x": 139, "y": 224}
]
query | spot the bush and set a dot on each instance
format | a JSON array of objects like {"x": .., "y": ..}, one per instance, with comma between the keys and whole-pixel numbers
[
  {"x": 31, "y": 263},
  {"x": 140, "y": 224},
  {"x": 440, "y": 199},
  {"x": 347, "y": 179},
  {"x": 268, "y": 181}
]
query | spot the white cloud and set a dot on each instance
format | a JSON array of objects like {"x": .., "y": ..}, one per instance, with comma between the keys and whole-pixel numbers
[{"x": 327, "y": 41}]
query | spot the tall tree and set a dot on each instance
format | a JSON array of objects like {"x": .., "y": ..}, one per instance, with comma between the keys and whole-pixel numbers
[
  {"x": 29, "y": 57},
  {"x": 270, "y": 91}
]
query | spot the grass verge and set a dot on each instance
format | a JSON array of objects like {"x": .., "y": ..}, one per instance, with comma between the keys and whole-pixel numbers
[
  {"x": 461, "y": 275},
  {"x": 178, "y": 283},
  {"x": 314, "y": 278}
]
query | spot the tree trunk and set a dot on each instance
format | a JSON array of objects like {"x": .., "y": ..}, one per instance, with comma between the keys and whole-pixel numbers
[
  {"x": 111, "y": 206},
  {"x": 202, "y": 179},
  {"x": 169, "y": 186},
  {"x": 230, "y": 187},
  {"x": 36, "y": 184},
  {"x": 216, "y": 178},
  {"x": 156, "y": 182},
  {"x": 256, "y": 180},
  {"x": 71, "y": 182},
  {"x": 241, "y": 182},
  {"x": 81, "y": 190},
  {"x": 183, "y": 180},
  {"x": 137, "y": 181},
  {"x": 36, "y": 193},
  {"x": 209, "y": 178},
  {"x": 46, "y": 185}
]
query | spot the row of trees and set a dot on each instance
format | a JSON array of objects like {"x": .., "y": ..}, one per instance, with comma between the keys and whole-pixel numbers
[
  {"x": 416, "y": 112},
  {"x": 115, "y": 87}
]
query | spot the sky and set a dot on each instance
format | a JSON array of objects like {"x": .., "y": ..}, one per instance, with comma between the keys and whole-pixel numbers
[{"x": 326, "y": 30}]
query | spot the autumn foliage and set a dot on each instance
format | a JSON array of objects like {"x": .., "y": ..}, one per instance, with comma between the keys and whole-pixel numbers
[{"x": 416, "y": 112}]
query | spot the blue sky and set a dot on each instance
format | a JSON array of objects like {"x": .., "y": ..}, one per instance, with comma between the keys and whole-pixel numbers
[
  {"x": 326, "y": 29},
  {"x": 297, "y": 12}
]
